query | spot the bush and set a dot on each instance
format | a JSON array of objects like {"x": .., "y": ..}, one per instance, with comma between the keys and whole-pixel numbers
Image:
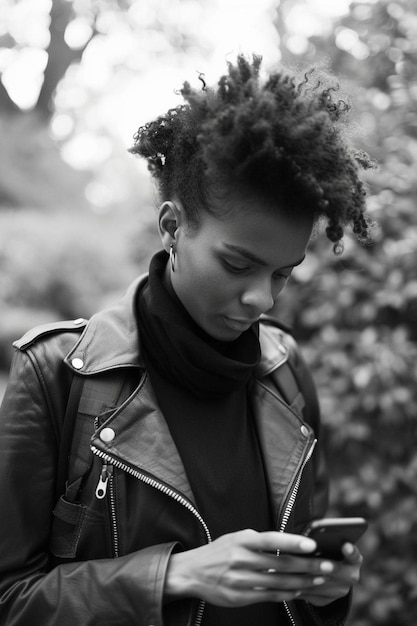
[{"x": 62, "y": 266}]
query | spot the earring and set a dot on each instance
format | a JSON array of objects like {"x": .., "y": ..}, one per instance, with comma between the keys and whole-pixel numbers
[
  {"x": 339, "y": 247},
  {"x": 172, "y": 256}
]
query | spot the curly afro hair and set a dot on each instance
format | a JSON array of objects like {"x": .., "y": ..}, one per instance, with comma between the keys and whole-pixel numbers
[{"x": 283, "y": 138}]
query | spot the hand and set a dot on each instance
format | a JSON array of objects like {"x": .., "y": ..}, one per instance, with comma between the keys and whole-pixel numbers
[
  {"x": 243, "y": 568},
  {"x": 337, "y": 577}
]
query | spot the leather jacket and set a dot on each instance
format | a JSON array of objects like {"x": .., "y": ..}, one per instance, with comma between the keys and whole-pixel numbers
[{"x": 102, "y": 561}]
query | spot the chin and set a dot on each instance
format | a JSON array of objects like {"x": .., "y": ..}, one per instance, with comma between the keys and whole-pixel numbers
[{"x": 220, "y": 332}]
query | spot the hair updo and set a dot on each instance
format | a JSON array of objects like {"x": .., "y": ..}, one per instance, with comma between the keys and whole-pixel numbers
[{"x": 282, "y": 138}]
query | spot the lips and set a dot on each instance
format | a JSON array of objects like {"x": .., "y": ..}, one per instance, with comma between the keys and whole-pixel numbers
[{"x": 239, "y": 324}]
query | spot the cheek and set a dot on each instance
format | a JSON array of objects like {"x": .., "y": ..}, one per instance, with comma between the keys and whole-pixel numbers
[
  {"x": 215, "y": 289},
  {"x": 211, "y": 289}
]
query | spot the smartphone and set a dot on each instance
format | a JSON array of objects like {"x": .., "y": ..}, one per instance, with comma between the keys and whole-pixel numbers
[{"x": 331, "y": 533}]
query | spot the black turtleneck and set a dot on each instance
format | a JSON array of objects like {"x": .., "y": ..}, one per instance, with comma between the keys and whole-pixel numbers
[{"x": 201, "y": 385}]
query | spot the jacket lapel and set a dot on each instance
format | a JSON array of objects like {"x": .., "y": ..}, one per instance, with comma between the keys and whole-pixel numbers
[
  {"x": 142, "y": 441},
  {"x": 284, "y": 441}
]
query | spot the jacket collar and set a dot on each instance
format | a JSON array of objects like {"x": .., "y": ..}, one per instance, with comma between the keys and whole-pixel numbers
[{"x": 111, "y": 340}]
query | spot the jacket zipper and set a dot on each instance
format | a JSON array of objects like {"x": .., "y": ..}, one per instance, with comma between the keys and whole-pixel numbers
[
  {"x": 106, "y": 478},
  {"x": 288, "y": 509}
]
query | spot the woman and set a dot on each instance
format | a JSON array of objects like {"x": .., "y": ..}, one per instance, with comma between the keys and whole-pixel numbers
[{"x": 204, "y": 465}]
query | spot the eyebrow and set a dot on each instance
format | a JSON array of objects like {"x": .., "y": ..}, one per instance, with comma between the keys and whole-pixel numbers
[{"x": 252, "y": 257}]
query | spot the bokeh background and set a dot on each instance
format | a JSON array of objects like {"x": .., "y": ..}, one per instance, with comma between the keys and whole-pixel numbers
[{"x": 77, "y": 213}]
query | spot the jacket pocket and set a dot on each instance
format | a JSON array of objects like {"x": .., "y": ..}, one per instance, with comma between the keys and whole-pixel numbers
[{"x": 66, "y": 528}]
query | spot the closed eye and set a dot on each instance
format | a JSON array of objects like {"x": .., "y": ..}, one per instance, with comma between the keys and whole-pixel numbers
[
  {"x": 236, "y": 269},
  {"x": 239, "y": 269}
]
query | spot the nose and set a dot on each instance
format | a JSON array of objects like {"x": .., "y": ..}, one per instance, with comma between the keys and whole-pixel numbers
[{"x": 260, "y": 296}]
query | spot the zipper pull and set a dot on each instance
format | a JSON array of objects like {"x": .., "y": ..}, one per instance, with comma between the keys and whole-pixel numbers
[{"x": 106, "y": 472}]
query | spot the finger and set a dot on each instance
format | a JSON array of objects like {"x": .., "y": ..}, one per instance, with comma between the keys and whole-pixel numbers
[
  {"x": 352, "y": 554},
  {"x": 343, "y": 573},
  {"x": 293, "y": 564},
  {"x": 277, "y": 582},
  {"x": 273, "y": 541}
]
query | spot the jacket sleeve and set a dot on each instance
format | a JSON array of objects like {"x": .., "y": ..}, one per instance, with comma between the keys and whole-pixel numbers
[{"x": 123, "y": 591}]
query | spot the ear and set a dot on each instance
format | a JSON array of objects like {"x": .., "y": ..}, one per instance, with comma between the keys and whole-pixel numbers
[{"x": 170, "y": 218}]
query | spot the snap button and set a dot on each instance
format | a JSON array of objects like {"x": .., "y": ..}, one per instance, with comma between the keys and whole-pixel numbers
[
  {"x": 78, "y": 321},
  {"x": 304, "y": 430},
  {"x": 107, "y": 435},
  {"x": 77, "y": 363}
]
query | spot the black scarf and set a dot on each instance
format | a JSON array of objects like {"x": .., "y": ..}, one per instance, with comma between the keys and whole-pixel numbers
[
  {"x": 212, "y": 426},
  {"x": 182, "y": 352}
]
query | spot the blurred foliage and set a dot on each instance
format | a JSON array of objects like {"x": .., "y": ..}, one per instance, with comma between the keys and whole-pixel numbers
[
  {"x": 32, "y": 172},
  {"x": 63, "y": 266},
  {"x": 355, "y": 315}
]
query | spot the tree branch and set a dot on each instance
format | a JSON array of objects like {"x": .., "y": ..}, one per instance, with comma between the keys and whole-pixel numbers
[{"x": 60, "y": 55}]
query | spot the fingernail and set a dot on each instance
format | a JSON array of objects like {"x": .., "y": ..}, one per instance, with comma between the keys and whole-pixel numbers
[
  {"x": 307, "y": 545},
  {"x": 319, "y": 580},
  {"x": 348, "y": 548},
  {"x": 326, "y": 567}
]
